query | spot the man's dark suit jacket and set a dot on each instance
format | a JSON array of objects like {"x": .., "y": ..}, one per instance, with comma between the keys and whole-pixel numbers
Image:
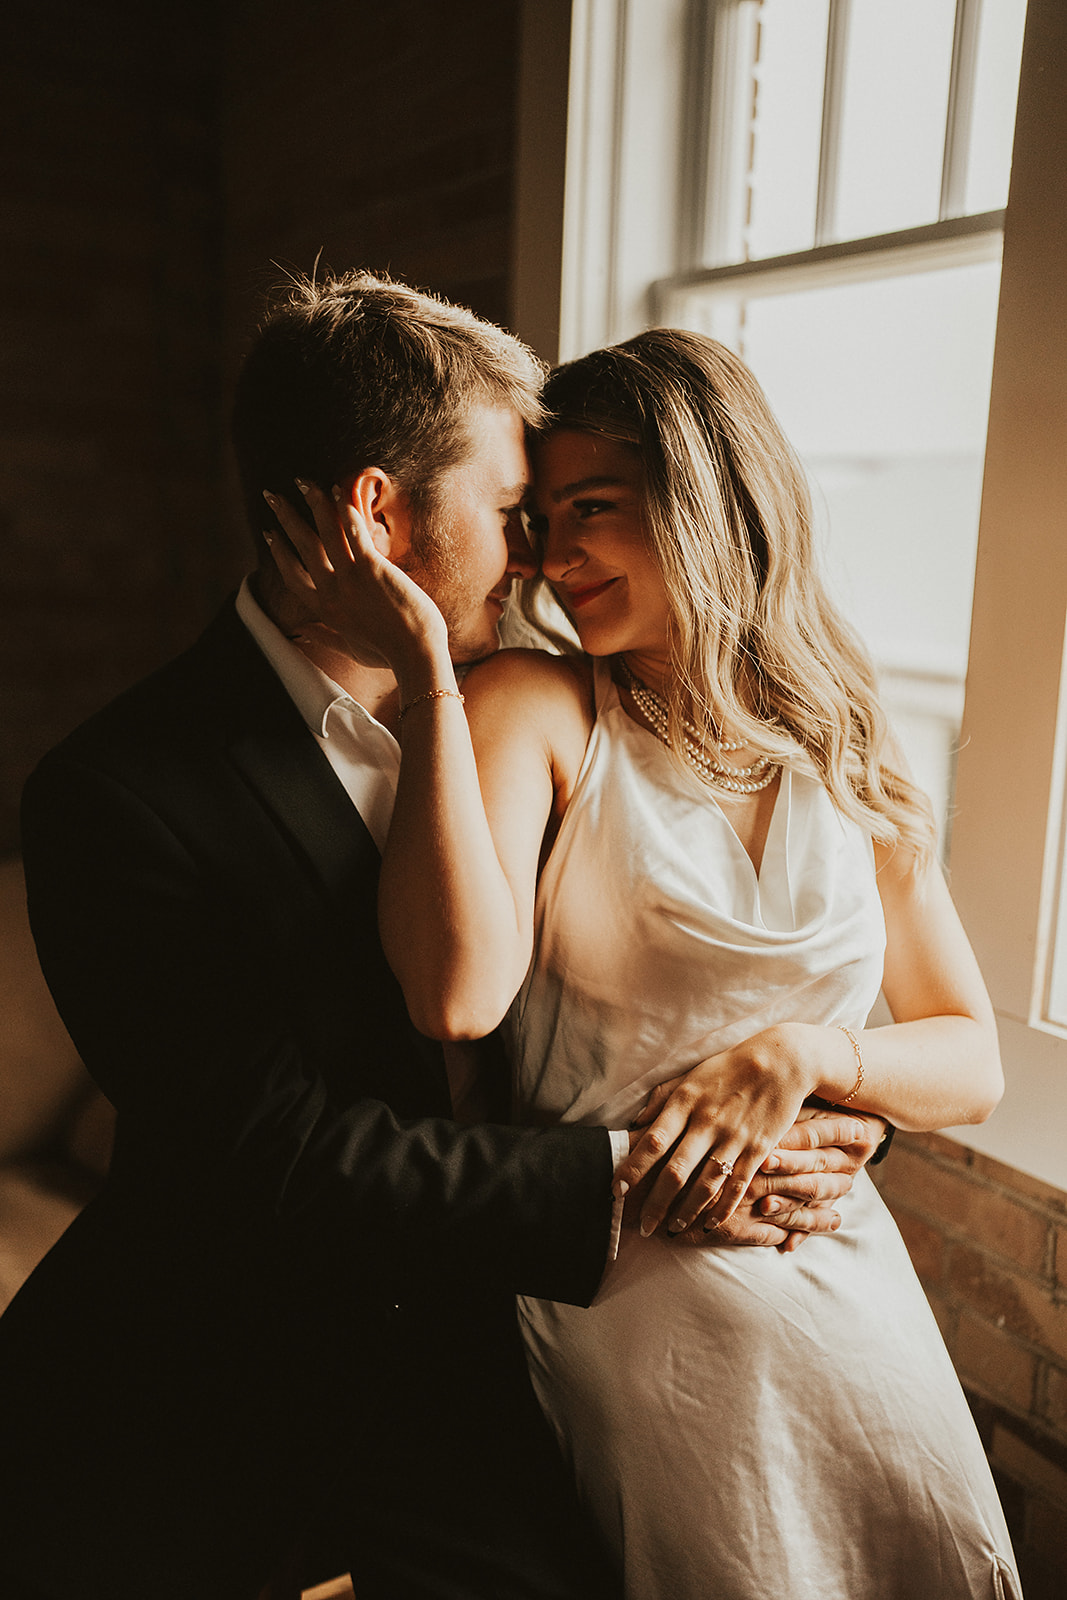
[{"x": 291, "y": 1306}]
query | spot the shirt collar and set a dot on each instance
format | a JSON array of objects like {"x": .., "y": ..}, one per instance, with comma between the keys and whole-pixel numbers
[{"x": 313, "y": 693}]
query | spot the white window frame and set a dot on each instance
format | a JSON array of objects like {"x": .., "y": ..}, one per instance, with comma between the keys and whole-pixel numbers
[
  {"x": 636, "y": 72},
  {"x": 1007, "y": 836}
]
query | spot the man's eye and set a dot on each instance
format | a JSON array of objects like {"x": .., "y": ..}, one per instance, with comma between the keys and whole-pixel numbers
[{"x": 536, "y": 524}]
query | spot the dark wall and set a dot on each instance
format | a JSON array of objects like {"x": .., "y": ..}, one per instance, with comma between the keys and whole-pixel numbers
[
  {"x": 154, "y": 162},
  {"x": 110, "y": 319},
  {"x": 382, "y": 135}
]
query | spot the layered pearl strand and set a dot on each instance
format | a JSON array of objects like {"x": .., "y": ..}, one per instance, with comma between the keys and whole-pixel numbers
[{"x": 736, "y": 780}]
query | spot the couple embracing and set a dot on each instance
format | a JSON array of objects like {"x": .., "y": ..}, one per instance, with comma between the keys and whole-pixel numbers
[{"x": 668, "y": 873}]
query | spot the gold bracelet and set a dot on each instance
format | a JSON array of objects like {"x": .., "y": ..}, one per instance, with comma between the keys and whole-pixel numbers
[
  {"x": 851, "y": 1037},
  {"x": 431, "y": 694}
]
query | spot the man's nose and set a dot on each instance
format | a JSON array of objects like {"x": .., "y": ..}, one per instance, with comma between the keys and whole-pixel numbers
[{"x": 522, "y": 563}]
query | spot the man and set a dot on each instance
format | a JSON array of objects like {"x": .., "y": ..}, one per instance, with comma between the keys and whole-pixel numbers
[{"x": 284, "y": 1332}]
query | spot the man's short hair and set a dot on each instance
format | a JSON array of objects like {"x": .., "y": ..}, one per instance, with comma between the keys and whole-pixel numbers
[{"x": 358, "y": 371}]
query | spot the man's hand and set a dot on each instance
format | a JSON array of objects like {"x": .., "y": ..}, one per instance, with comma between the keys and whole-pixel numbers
[{"x": 825, "y": 1141}]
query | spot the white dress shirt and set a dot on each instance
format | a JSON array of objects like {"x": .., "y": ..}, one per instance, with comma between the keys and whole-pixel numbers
[{"x": 364, "y": 755}]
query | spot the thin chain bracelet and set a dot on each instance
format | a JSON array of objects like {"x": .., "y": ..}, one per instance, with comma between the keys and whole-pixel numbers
[
  {"x": 431, "y": 694},
  {"x": 851, "y": 1037}
]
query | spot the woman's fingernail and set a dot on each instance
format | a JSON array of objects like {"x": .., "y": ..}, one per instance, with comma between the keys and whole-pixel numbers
[
  {"x": 772, "y": 1163},
  {"x": 269, "y": 537},
  {"x": 336, "y": 491},
  {"x": 647, "y": 1228},
  {"x": 302, "y": 486},
  {"x": 270, "y": 498},
  {"x": 677, "y": 1226},
  {"x": 771, "y": 1206},
  {"x": 620, "y": 1189}
]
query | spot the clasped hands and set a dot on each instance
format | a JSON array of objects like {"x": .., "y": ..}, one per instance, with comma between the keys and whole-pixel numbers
[{"x": 732, "y": 1144}]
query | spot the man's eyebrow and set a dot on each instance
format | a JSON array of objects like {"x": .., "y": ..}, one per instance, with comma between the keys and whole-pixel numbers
[
  {"x": 581, "y": 485},
  {"x": 516, "y": 494}
]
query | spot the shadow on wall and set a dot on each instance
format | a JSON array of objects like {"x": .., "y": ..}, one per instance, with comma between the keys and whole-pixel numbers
[{"x": 55, "y": 1125}]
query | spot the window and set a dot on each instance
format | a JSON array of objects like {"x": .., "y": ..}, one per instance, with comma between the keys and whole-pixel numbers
[
  {"x": 839, "y": 253},
  {"x": 727, "y": 167}
]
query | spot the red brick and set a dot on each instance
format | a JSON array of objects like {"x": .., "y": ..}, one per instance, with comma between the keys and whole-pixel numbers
[
  {"x": 951, "y": 1198},
  {"x": 1008, "y": 1300},
  {"x": 1060, "y": 1262},
  {"x": 1028, "y": 1466},
  {"x": 937, "y": 1144},
  {"x": 1054, "y": 1407},
  {"x": 995, "y": 1360},
  {"x": 1021, "y": 1183},
  {"x": 926, "y": 1245},
  {"x": 1046, "y": 1530}
]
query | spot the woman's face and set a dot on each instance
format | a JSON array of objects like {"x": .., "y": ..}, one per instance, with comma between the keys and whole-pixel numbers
[{"x": 589, "y": 519}]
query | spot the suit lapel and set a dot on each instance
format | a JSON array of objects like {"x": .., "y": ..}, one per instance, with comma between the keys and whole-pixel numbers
[
  {"x": 269, "y": 744},
  {"x": 329, "y": 925}
]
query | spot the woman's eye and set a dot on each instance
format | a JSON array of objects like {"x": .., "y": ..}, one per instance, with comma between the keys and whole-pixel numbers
[
  {"x": 590, "y": 508},
  {"x": 536, "y": 524}
]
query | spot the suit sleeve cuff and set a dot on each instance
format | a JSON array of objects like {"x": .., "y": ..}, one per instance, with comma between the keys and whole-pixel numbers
[{"x": 620, "y": 1149}]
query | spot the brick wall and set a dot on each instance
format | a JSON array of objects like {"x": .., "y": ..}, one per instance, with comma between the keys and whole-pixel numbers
[
  {"x": 990, "y": 1246},
  {"x": 383, "y": 136},
  {"x": 109, "y": 337},
  {"x": 155, "y": 160}
]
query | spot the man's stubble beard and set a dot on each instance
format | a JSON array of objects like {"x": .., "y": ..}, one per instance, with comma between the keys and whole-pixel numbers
[{"x": 435, "y": 565}]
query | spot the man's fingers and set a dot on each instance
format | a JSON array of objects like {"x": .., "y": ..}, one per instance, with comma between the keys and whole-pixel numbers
[
  {"x": 806, "y": 1219},
  {"x": 806, "y": 1188},
  {"x": 817, "y": 1188},
  {"x": 743, "y": 1228},
  {"x": 822, "y": 1130}
]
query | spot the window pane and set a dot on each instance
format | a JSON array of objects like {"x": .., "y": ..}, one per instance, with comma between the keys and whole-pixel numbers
[
  {"x": 883, "y": 388},
  {"x": 1000, "y": 43},
  {"x": 784, "y": 178},
  {"x": 898, "y": 65}
]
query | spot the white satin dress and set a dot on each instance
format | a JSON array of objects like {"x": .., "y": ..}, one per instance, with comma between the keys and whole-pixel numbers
[{"x": 743, "y": 1424}]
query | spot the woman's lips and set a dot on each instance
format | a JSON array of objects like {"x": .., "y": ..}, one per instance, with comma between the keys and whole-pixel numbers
[{"x": 576, "y": 598}]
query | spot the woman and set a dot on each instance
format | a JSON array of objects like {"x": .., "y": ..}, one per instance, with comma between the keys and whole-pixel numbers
[{"x": 695, "y": 857}]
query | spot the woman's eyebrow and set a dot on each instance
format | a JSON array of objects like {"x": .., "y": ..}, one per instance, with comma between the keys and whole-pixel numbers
[{"x": 581, "y": 485}]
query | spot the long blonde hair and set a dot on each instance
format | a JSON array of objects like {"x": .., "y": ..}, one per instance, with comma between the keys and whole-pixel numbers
[{"x": 756, "y": 643}]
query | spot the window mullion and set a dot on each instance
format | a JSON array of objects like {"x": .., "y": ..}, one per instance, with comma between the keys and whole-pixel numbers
[
  {"x": 833, "y": 101},
  {"x": 960, "y": 104},
  {"x": 729, "y": 125}
]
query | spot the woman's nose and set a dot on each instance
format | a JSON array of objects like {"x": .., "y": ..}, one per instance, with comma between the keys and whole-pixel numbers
[{"x": 558, "y": 553}]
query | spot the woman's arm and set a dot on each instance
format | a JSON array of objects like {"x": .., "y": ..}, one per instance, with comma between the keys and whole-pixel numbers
[
  {"x": 458, "y": 873},
  {"x": 937, "y": 1065},
  {"x": 460, "y": 868}
]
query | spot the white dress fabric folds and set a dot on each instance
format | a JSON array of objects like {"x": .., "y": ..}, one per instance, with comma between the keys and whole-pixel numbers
[{"x": 742, "y": 1423}]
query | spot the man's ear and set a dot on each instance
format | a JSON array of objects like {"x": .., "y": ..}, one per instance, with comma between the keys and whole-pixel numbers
[{"x": 386, "y": 510}]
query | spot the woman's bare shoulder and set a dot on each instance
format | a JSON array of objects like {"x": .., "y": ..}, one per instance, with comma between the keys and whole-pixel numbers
[{"x": 534, "y": 679}]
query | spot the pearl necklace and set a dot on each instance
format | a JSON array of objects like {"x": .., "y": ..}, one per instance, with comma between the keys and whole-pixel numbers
[{"x": 737, "y": 780}]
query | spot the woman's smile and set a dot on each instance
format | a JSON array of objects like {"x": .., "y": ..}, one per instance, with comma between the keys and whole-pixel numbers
[
  {"x": 581, "y": 596},
  {"x": 589, "y": 495}
]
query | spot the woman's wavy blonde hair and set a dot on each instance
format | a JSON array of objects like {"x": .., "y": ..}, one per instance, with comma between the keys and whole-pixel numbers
[{"x": 757, "y": 645}]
